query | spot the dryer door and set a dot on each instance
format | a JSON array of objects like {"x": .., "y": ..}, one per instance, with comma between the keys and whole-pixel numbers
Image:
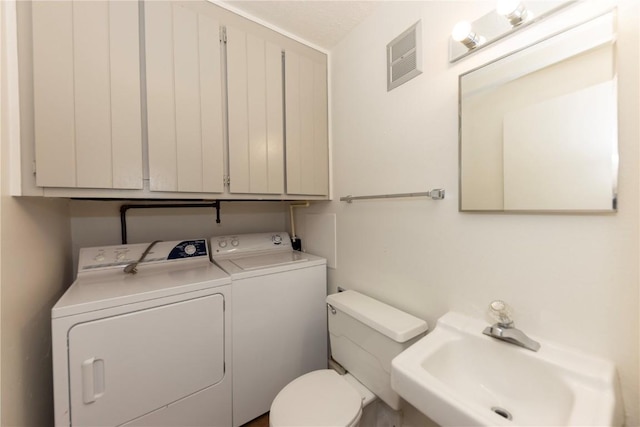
[{"x": 125, "y": 366}]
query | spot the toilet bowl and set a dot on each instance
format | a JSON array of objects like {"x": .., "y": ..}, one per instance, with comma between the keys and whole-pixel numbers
[
  {"x": 365, "y": 334},
  {"x": 319, "y": 398}
]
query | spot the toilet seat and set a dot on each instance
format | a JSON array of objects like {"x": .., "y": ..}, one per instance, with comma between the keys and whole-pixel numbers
[{"x": 319, "y": 398}]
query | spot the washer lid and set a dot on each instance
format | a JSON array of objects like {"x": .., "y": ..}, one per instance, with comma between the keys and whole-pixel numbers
[
  {"x": 269, "y": 260},
  {"x": 258, "y": 264},
  {"x": 319, "y": 398}
]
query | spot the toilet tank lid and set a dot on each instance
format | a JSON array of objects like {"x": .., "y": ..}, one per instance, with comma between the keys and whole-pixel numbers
[{"x": 394, "y": 323}]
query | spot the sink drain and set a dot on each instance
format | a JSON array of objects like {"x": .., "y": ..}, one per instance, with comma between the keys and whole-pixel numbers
[{"x": 502, "y": 412}]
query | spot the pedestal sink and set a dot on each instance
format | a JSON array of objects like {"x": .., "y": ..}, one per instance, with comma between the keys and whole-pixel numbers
[{"x": 459, "y": 377}]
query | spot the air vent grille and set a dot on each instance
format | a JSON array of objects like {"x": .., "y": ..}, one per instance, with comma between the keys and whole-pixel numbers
[
  {"x": 404, "y": 56},
  {"x": 404, "y": 67},
  {"x": 404, "y": 45}
]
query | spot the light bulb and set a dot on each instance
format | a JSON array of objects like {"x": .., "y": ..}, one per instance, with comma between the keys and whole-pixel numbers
[
  {"x": 514, "y": 11},
  {"x": 463, "y": 33},
  {"x": 460, "y": 31},
  {"x": 507, "y": 7}
]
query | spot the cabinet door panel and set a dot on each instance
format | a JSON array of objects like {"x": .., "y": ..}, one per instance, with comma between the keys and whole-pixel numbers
[
  {"x": 255, "y": 114},
  {"x": 163, "y": 172},
  {"x": 305, "y": 116},
  {"x": 211, "y": 104},
  {"x": 306, "y": 126},
  {"x": 53, "y": 80},
  {"x": 238, "y": 92},
  {"x": 187, "y": 87},
  {"x": 321, "y": 128},
  {"x": 87, "y": 94},
  {"x": 184, "y": 99},
  {"x": 275, "y": 118},
  {"x": 293, "y": 131},
  {"x": 126, "y": 117},
  {"x": 92, "y": 94}
]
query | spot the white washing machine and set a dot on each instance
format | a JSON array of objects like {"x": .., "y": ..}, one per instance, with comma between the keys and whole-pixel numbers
[
  {"x": 279, "y": 316},
  {"x": 145, "y": 349}
]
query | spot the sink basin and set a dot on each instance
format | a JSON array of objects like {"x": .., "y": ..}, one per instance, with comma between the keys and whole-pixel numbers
[{"x": 459, "y": 377}]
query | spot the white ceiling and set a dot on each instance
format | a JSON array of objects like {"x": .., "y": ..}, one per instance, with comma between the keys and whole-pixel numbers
[{"x": 322, "y": 23}]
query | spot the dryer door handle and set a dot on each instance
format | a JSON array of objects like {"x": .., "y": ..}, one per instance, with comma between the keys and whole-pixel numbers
[{"x": 92, "y": 380}]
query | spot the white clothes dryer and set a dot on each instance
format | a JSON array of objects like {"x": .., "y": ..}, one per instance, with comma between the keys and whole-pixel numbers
[
  {"x": 144, "y": 349},
  {"x": 279, "y": 316}
]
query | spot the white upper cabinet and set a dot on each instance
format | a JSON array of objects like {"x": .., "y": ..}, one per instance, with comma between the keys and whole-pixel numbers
[
  {"x": 166, "y": 100},
  {"x": 307, "y": 151},
  {"x": 255, "y": 105},
  {"x": 86, "y": 74},
  {"x": 184, "y": 99}
]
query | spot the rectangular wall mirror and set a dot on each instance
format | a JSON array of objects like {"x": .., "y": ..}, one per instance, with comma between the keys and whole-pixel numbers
[{"x": 539, "y": 128}]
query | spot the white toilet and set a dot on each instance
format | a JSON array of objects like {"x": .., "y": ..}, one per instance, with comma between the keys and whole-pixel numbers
[{"x": 365, "y": 334}]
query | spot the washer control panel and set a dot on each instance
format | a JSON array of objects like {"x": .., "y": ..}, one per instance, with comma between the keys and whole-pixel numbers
[
  {"x": 241, "y": 243},
  {"x": 105, "y": 257}
]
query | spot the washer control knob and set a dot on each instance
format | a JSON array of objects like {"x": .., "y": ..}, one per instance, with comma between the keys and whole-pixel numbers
[
  {"x": 222, "y": 243},
  {"x": 120, "y": 256},
  {"x": 235, "y": 242},
  {"x": 190, "y": 249},
  {"x": 277, "y": 239},
  {"x": 99, "y": 257}
]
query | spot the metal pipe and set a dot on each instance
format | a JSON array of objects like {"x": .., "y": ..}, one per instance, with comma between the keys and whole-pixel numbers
[
  {"x": 126, "y": 207},
  {"x": 293, "y": 223}
]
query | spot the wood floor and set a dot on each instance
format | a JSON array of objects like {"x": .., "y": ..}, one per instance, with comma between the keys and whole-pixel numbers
[{"x": 262, "y": 421}]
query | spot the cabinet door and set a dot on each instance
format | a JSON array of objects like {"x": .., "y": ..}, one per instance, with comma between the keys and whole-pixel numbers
[
  {"x": 307, "y": 151},
  {"x": 256, "y": 128},
  {"x": 86, "y": 72},
  {"x": 184, "y": 100}
]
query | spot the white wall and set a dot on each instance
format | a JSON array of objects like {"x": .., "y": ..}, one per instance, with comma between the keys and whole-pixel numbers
[
  {"x": 36, "y": 269},
  {"x": 573, "y": 279}
]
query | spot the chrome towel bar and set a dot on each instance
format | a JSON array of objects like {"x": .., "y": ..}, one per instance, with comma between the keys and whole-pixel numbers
[{"x": 435, "y": 194}]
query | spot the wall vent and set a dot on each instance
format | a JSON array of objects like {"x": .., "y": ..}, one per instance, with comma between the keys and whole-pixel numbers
[{"x": 404, "y": 56}]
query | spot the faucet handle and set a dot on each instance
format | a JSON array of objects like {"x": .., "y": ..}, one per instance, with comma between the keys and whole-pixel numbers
[{"x": 501, "y": 312}]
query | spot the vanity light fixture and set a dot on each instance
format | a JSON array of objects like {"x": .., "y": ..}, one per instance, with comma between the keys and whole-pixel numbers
[
  {"x": 514, "y": 11},
  {"x": 463, "y": 33},
  {"x": 507, "y": 17}
]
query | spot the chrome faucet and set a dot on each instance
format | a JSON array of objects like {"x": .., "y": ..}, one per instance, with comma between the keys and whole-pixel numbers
[{"x": 505, "y": 329}]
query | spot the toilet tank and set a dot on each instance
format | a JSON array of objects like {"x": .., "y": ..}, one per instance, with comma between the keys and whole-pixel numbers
[{"x": 365, "y": 334}]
